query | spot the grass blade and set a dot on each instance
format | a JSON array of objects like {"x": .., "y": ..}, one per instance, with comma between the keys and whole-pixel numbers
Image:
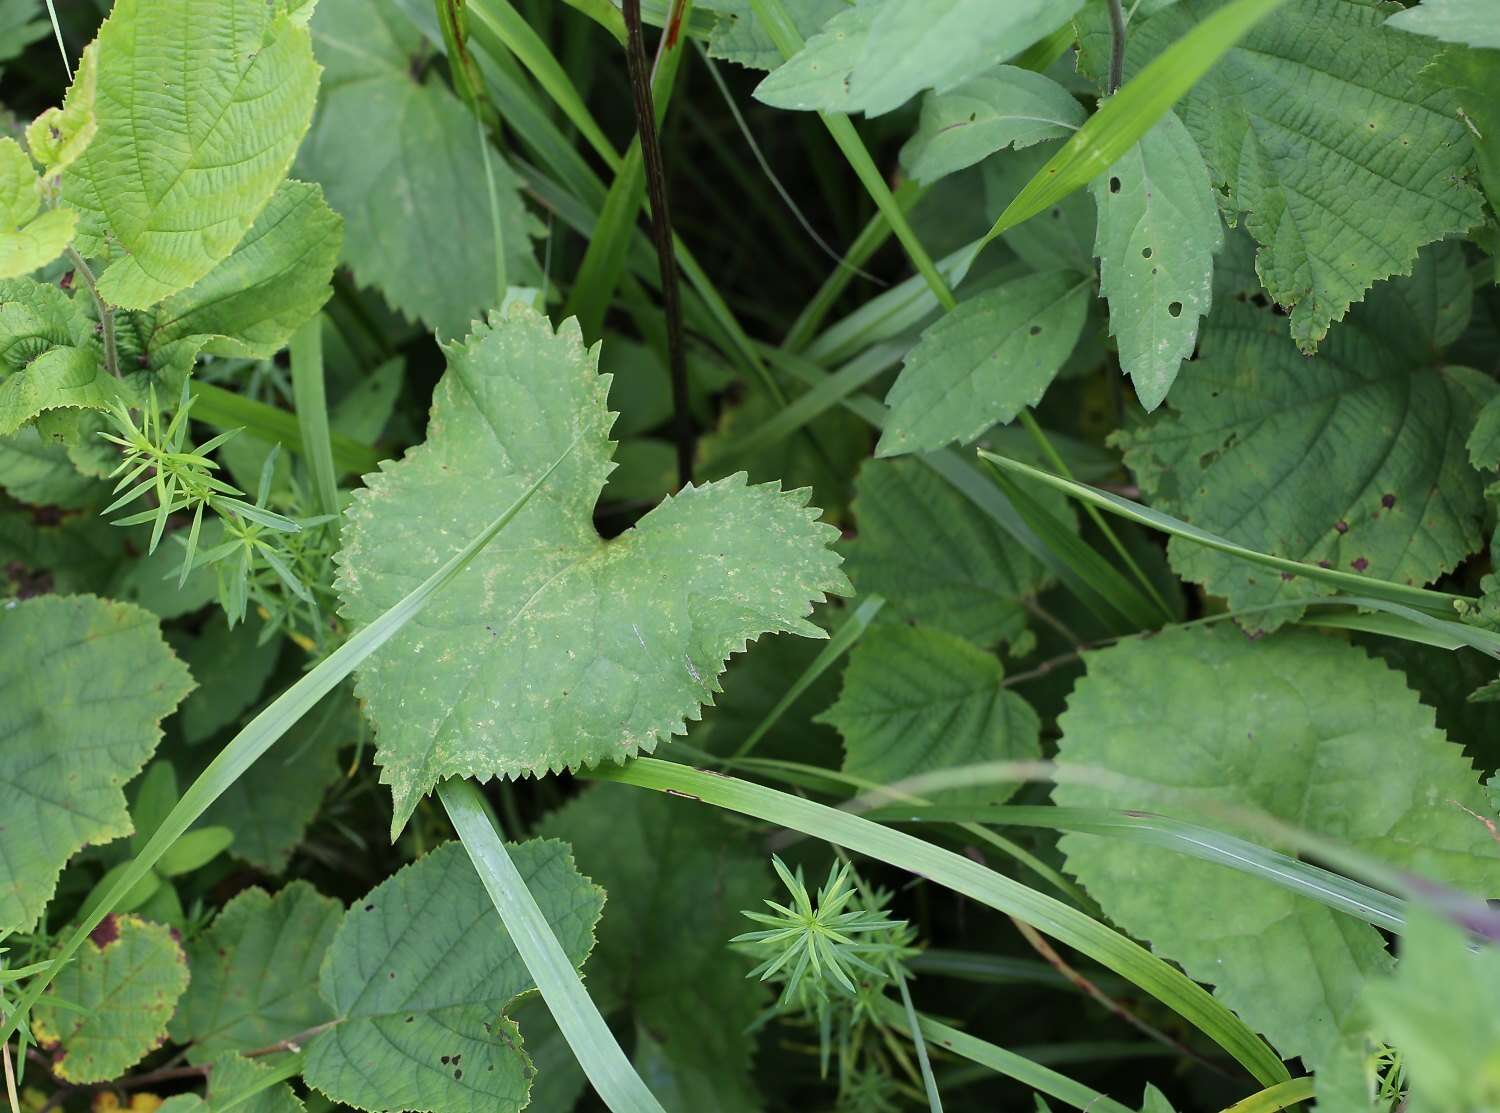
[
  {"x": 224, "y": 409},
  {"x": 1282, "y": 1096},
  {"x": 1062, "y": 922},
  {"x": 311, "y": 400},
  {"x": 576, "y": 1015}
]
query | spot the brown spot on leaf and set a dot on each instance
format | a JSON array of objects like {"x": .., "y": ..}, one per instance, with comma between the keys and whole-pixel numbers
[
  {"x": 1360, "y": 564},
  {"x": 107, "y": 932}
]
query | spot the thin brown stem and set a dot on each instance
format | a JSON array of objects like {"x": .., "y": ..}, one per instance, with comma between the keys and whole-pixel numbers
[
  {"x": 661, "y": 227},
  {"x": 106, "y": 312}
]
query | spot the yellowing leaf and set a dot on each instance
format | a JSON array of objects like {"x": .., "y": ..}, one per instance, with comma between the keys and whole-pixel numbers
[
  {"x": 29, "y": 238},
  {"x": 59, "y": 135}
]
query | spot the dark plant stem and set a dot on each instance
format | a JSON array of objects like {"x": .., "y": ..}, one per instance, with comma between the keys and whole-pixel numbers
[
  {"x": 1116, "y": 46},
  {"x": 106, "y": 312},
  {"x": 661, "y": 227}
]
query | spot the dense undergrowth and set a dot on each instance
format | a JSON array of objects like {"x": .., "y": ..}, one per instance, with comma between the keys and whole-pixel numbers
[{"x": 749, "y": 555}]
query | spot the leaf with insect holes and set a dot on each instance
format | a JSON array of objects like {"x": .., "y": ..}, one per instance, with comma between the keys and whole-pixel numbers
[
  {"x": 1158, "y": 230},
  {"x": 678, "y": 877},
  {"x": 400, "y": 158},
  {"x": 556, "y": 649},
  {"x": 985, "y": 362},
  {"x": 29, "y": 236},
  {"x": 175, "y": 177},
  {"x": 917, "y": 700},
  {"x": 421, "y": 975},
  {"x": 875, "y": 56},
  {"x": 255, "y": 972},
  {"x": 1003, "y": 107},
  {"x": 1300, "y": 727},
  {"x": 1471, "y": 22},
  {"x": 72, "y": 733},
  {"x": 118, "y": 992},
  {"x": 1354, "y": 459},
  {"x": 1332, "y": 134}
]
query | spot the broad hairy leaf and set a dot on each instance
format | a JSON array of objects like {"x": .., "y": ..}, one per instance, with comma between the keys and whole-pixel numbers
[
  {"x": 985, "y": 362},
  {"x": 29, "y": 236},
  {"x": 678, "y": 877},
  {"x": 49, "y": 358},
  {"x": 255, "y": 972},
  {"x": 937, "y": 560},
  {"x": 175, "y": 177},
  {"x": 1304, "y": 728},
  {"x": 1324, "y": 129},
  {"x": 554, "y": 648},
  {"x": 1471, "y": 22},
  {"x": 122, "y": 987},
  {"x": 1354, "y": 459},
  {"x": 401, "y": 160},
  {"x": 1158, "y": 230},
  {"x": 86, "y": 683},
  {"x": 420, "y": 976},
  {"x": 1004, "y": 107},
  {"x": 878, "y": 54},
  {"x": 917, "y": 700}
]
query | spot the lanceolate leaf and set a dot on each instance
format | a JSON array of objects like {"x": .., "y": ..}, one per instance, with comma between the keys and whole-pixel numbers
[
  {"x": 917, "y": 700},
  {"x": 1472, "y": 22},
  {"x": 419, "y": 978},
  {"x": 878, "y": 54},
  {"x": 557, "y": 649},
  {"x": 401, "y": 160},
  {"x": 1300, "y": 727},
  {"x": 678, "y": 878},
  {"x": 985, "y": 362},
  {"x": 29, "y": 237},
  {"x": 1355, "y": 459},
  {"x": 122, "y": 987},
  {"x": 86, "y": 684},
  {"x": 1343, "y": 154},
  {"x": 1159, "y": 228},
  {"x": 1005, "y": 107},
  {"x": 255, "y": 972},
  {"x": 174, "y": 179}
]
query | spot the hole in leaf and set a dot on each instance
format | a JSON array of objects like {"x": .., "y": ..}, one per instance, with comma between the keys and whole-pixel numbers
[
  {"x": 1145, "y": 253},
  {"x": 1114, "y": 185},
  {"x": 1175, "y": 309},
  {"x": 1035, "y": 330}
]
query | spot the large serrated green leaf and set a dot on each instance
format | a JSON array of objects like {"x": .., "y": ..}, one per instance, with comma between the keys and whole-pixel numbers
[
  {"x": 1471, "y": 22},
  {"x": 917, "y": 700},
  {"x": 1004, "y": 107},
  {"x": 119, "y": 991},
  {"x": 72, "y": 732},
  {"x": 878, "y": 54},
  {"x": 1343, "y": 154},
  {"x": 555, "y": 648},
  {"x": 29, "y": 236},
  {"x": 923, "y": 547},
  {"x": 1159, "y": 228},
  {"x": 48, "y": 356},
  {"x": 200, "y": 107},
  {"x": 985, "y": 362},
  {"x": 401, "y": 160},
  {"x": 678, "y": 879},
  {"x": 1195, "y": 723},
  {"x": 255, "y": 972},
  {"x": 738, "y": 37},
  {"x": 419, "y": 978},
  {"x": 1354, "y": 459}
]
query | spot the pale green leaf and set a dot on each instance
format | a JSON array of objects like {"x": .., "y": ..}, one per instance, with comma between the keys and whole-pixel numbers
[
  {"x": 401, "y": 160},
  {"x": 917, "y": 700},
  {"x": 419, "y": 978},
  {"x": 922, "y": 545},
  {"x": 29, "y": 236},
  {"x": 72, "y": 733},
  {"x": 59, "y": 135},
  {"x": 985, "y": 362},
  {"x": 678, "y": 878},
  {"x": 174, "y": 179},
  {"x": 1159, "y": 228},
  {"x": 1324, "y": 130},
  {"x": 878, "y": 54},
  {"x": 1004, "y": 107},
  {"x": 737, "y": 35},
  {"x": 1471, "y": 22},
  {"x": 555, "y": 648},
  {"x": 122, "y": 987},
  {"x": 255, "y": 972},
  {"x": 1354, "y": 459},
  {"x": 1304, "y": 728},
  {"x": 48, "y": 356},
  {"x": 1439, "y": 1010}
]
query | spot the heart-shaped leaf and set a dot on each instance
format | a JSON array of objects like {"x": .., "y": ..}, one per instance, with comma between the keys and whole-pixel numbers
[{"x": 556, "y": 648}]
